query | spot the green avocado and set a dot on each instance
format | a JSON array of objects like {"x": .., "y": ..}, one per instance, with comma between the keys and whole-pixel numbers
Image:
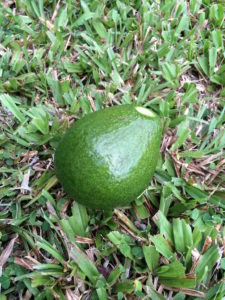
[{"x": 107, "y": 158}]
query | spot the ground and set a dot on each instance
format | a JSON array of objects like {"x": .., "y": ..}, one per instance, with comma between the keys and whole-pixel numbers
[{"x": 60, "y": 60}]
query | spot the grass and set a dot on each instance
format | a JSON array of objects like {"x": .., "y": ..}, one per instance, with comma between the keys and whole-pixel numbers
[{"x": 60, "y": 60}]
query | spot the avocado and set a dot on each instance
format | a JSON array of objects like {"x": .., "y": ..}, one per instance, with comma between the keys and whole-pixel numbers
[{"x": 107, "y": 158}]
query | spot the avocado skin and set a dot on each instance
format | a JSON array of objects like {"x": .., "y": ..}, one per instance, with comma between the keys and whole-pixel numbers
[{"x": 107, "y": 158}]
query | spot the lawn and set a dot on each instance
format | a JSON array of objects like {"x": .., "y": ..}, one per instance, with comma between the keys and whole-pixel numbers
[{"x": 61, "y": 60}]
